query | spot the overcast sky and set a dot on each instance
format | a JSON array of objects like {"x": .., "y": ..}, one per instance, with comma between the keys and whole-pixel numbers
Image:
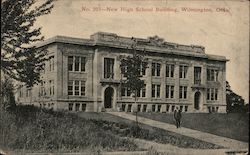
[{"x": 224, "y": 31}]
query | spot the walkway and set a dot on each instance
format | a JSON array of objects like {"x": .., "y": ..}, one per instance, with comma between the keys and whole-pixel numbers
[{"x": 207, "y": 137}]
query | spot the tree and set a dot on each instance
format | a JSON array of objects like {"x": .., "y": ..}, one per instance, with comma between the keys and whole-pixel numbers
[
  {"x": 7, "y": 93},
  {"x": 20, "y": 60},
  {"x": 235, "y": 103},
  {"x": 132, "y": 67}
]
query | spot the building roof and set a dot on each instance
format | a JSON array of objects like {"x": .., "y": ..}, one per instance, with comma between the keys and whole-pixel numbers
[{"x": 153, "y": 44}]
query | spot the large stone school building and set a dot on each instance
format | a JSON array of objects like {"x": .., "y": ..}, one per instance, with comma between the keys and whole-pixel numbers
[{"x": 85, "y": 75}]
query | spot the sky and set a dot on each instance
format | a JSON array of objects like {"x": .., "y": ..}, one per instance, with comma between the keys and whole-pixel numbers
[{"x": 222, "y": 27}]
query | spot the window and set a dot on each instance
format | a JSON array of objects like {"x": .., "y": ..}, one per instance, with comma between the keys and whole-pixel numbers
[
  {"x": 126, "y": 92},
  {"x": 169, "y": 70},
  {"x": 186, "y": 108},
  {"x": 84, "y": 107},
  {"x": 139, "y": 107},
  {"x": 76, "y": 63},
  {"x": 159, "y": 108},
  {"x": 144, "y": 108},
  {"x": 173, "y": 107},
  {"x": 70, "y": 88},
  {"x": 183, "y": 71},
  {"x": 109, "y": 68},
  {"x": 83, "y": 88},
  {"x": 167, "y": 107},
  {"x": 183, "y": 92},
  {"x": 153, "y": 108},
  {"x": 143, "y": 70},
  {"x": 212, "y": 75},
  {"x": 129, "y": 107},
  {"x": 212, "y": 94},
  {"x": 77, "y": 108},
  {"x": 123, "y": 107},
  {"x": 70, "y": 106},
  {"x": 70, "y": 63},
  {"x": 156, "y": 69},
  {"x": 169, "y": 91},
  {"x": 51, "y": 87},
  {"x": 76, "y": 88},
  {"x": 156, "y": 90},
  {"x": 142, "y": 92},
  {"x": 51, "y": 63},
  {"x": 197, "y": 75}
]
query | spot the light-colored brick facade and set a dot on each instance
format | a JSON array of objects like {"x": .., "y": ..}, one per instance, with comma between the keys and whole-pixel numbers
[{"x": 184, "y": 76}]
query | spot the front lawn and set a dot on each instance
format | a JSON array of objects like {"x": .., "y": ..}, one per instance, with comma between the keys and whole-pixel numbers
[
  {"x": 32, "y": 129},
  {"x": 232, "y": 125}
]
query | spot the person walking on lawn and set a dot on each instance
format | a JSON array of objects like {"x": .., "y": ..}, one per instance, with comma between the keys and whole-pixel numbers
[{"x": 177, "y": 117}]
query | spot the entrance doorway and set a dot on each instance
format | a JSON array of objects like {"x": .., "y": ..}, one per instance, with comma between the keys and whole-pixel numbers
[
  {"x": 197, "y": 100},
  {"x": 108, "y": 97}
]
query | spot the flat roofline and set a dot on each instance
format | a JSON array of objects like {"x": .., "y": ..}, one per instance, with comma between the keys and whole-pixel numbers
[{"x": 92, "y": 42}]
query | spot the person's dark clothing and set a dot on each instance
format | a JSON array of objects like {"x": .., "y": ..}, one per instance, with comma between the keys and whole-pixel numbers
[{"x": 177, "y": 117}]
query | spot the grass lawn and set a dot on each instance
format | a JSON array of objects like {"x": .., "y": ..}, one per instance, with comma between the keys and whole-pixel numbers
[
  {"x": 232, "y": 125},
  {"x": 146, "y": 132},
  {"x": 32, "y": 129}
]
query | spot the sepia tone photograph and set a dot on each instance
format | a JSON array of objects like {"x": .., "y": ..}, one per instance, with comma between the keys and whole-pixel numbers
[{"x": 124, "y": 77}]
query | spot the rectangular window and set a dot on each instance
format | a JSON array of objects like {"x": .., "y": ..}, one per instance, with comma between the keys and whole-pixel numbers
[
  {"x": 144, "y": 91},
  {"x": 169, "y": 70},
  {"x": 158, "y": 93},
  {"x": 76, "y": 63},
  {"x": 183, "y": 71},
  {"x": 197, "y": 75},
  {"x": 144, "y": 108},
  {"x": 109, "y": 68},
  {"x": 183, "y": 92},
  {"x": 77, "y": 108},
  {"x": 216, "y": 94},
  {"x": 70, "y": 106},
  {"x": 70, "y": 88},
  {"x": 156, "y": 69},
  {"x": 51, "y": 87},
  {"x": 208, "y": 94},
  {"x": 139, "y": 107},
  {"x": 169, "y": 91},
  {"x": 123, "y": 107},
  {"x": 83, "y": 88},
  {"x": 125, "y": 92},
  {"x": 51, "y": 63},
  {"x": 76, "y": 88},
  {"x": 153, "y": 108},
  {"x": 167, "y": 107},
  {"x": 186, "y": 108},
  {"x": 83, "y": 64},
  {"x": 153, "y": 90},
  {"x": 212, "y": 94},
  {"x": 173, "y": 107},
  {"x": 70, "y": 63},
  {"x": 143, "y": 71},
  {"x": 84, "y": 107},
  {"x": 156, "y": 90},
  {"x": 212, "y": 75},
  {"x": 159, "y": 108}
]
